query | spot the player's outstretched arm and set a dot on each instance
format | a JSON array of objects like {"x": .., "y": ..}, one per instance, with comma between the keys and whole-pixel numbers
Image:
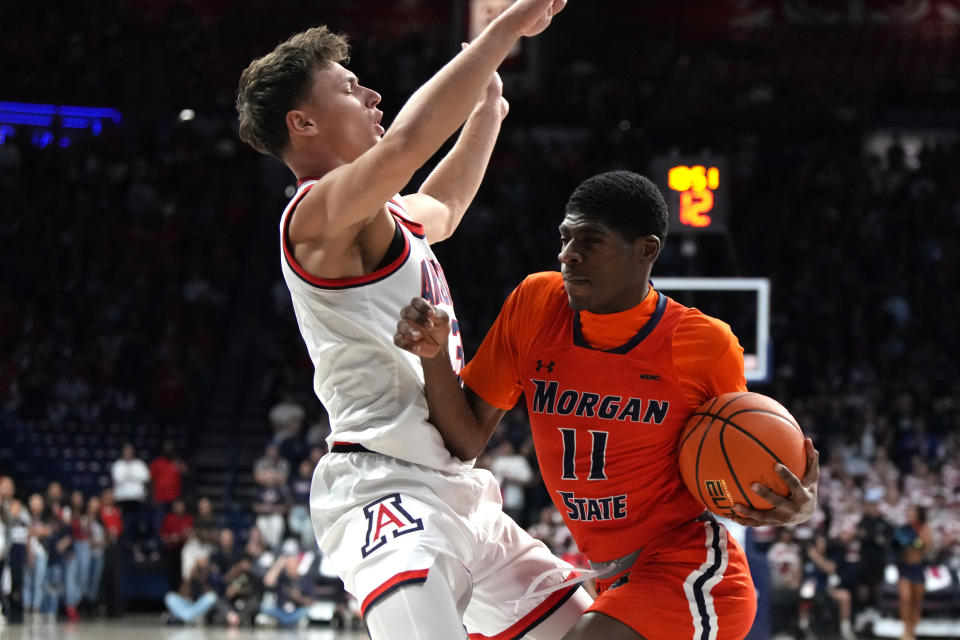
[
  {"x": 797, "y": 507},
  {"x": 350, "y": 194},
  {"x": 464, "y": 420},
  {"x": 444, "y": 196}
]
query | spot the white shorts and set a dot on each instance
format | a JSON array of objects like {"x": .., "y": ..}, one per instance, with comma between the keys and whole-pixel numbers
[{"x": 384, "y": 523}]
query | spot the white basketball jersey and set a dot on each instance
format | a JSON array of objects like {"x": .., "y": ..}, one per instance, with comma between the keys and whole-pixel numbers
[{"x": 372, "y": 389}]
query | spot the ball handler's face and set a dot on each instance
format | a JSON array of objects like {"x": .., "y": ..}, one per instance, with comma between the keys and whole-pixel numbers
[
  {"x": 603, "y": 272},
  {"x": 344, "y": 112}
]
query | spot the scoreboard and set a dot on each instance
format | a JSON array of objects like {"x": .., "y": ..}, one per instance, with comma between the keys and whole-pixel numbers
[{"x": 695, "y": 188}]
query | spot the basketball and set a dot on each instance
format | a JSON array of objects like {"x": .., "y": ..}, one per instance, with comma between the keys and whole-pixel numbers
[{"x": 733, "y": 441}]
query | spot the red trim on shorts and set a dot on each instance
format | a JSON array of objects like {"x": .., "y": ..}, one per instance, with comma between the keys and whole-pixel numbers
[
  {"x": 540, "y": 613},
  {"x": 343, "y": 283},
  {"x": 407, "y": 577}
]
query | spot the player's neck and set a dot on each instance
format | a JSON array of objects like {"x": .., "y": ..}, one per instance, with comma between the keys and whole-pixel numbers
[{"x": 310, "y": 165}]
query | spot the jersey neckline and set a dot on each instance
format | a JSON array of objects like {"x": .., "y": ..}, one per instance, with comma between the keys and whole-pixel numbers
[{"x": 645, "y": 330}]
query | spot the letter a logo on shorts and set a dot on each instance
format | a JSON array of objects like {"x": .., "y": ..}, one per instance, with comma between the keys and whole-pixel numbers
[{"x": 387, "y": 515}]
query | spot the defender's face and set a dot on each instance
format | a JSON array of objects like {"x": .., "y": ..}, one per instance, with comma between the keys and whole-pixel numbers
[
  {"x": 344, "y": 111},
  {"x": 603, "y": 272}
]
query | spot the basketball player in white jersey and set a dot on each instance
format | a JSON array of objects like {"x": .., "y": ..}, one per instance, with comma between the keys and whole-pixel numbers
[{"x": 417, "y": 535}]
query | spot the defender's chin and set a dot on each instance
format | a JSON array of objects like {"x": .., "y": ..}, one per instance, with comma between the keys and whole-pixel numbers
[
  {"x": 576, "y": 294},
  {"x": 576, "y": 302}
]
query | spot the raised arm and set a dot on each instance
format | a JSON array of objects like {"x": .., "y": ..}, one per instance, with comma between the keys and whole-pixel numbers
[
  {"x": 349, "y": 195},
  {"x": 444, "y": 196},
  {"x": 464, "y": 419}
]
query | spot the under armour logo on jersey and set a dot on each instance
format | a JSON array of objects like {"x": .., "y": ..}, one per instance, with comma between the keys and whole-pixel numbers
[
  {"x": 387, "y": 516},
  {"x": 548, "y": 366}
]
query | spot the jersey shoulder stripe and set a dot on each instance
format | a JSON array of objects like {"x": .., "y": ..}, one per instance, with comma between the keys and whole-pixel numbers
[
  {"x": 354, "y": 281},
  {"x": 401, "y": 215}
]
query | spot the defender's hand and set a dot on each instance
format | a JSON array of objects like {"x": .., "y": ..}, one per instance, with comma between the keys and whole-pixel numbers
[
  {"x": 423, "y": 329},
  {"x": 797, "y": 507}
]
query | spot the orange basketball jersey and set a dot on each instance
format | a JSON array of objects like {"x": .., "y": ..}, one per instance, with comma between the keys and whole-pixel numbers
[{"x": 606, "y": 421}]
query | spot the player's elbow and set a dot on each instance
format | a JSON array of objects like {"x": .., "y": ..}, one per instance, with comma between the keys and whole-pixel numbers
[
  {"x": 446, "y": 223},
  {"x": 473, "y": 447},
  {"x": 465, "y": 449}
]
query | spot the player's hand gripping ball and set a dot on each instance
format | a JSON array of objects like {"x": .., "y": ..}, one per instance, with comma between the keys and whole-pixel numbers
[{"x": 733, "y": 441}]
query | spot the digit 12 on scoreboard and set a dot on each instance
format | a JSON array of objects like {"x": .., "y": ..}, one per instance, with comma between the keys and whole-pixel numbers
[{"x": 695, "y": 189}]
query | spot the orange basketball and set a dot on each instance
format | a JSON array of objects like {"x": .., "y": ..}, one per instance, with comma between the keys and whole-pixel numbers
[{"x": 733, "y": 441}]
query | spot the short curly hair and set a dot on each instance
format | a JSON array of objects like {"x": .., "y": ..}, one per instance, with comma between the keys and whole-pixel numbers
[
  {"x": 273, "y": 85},
  {"x": 623, "y": 201}
]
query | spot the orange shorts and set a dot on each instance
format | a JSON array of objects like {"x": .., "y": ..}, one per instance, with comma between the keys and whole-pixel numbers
[{"x": 692, "y": 582}]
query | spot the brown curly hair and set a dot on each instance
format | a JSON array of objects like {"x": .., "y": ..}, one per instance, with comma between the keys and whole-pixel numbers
[{"x": 276, "y": 83}]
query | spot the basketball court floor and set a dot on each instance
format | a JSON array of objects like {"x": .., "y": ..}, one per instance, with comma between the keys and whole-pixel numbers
[{"x": 149, "y": 627}]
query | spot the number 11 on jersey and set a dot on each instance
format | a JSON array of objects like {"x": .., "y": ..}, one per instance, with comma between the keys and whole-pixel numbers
[{"x": 598, "y": 454}]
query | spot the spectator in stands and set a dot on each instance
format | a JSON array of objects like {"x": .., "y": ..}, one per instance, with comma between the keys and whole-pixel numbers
[
  {"x": 271, "y": 506},
  {"x": 513, "y": 474},
  {"x": 315, "y": 454},
  {"x": 35, "y": 577},
  {"x": 239, "y": 586},
  {"x": 894, "y": 506},
  {"x": 174, "y": 532},
  {"x": 271, "y": 466},
  {"x": 4, "y": 542},
  {"x": 195, "y": 596},
  {"x": 112, "y": 518},
  {"x": 166, "y": 472},
  {"x": 242, "y": 593},
  {"x": 3, "y": 565},
  {"x": 97, "y": 539},
  {"x": 54, "y": 499},
  {"x": 291, "y": 593},
  {"x": 875, "y": 535},
  {"x": 78, "y": 562},
  {"x": 258, "y": 554},
  {"x": 286, "y": 418},
  {"x": 8, "y": 493},
  {"x": 18, "y": 540},
  {"x": 202, "y": 537},
  {"x": 298, "y": 522},
  {"x": 915, "y": 546},
  {"x": 785, "y": 559},
  {"x": 131, "y": 479},
  {"x": 226, "y": 554},
  {"x": 316, "y": 435},
  {"x": 59, "y": 551},
  {"x": 823, "y": 569},
  {"x": 293, "y": 449}
]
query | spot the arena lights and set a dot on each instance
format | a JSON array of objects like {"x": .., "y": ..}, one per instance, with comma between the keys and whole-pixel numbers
[{"x": 50, "y": 118}]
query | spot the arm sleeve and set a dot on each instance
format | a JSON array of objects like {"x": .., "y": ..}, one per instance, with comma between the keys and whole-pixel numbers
[
  {"x": 708, "y": 358},
  {"x": 494, "y": 372}
]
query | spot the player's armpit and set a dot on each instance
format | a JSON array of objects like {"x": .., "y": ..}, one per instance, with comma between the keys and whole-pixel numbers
[{"x": 437, "y": 218}]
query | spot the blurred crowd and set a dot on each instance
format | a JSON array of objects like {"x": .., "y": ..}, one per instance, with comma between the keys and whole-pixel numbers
[
  {"x": 124, "y": 256},
  {"x": 64, "y": 553}
]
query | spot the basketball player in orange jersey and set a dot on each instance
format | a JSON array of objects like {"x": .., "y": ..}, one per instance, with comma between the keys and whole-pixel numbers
[
  {"x": 418, "y": 535},
  {"x": 611, "y": 371}
]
